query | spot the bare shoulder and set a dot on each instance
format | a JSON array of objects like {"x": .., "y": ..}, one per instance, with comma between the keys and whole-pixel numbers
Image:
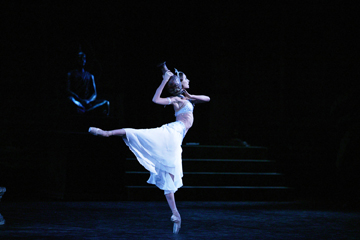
[
  {"x": 177, "y": 102},
  {"x": 175, "y": 99}
]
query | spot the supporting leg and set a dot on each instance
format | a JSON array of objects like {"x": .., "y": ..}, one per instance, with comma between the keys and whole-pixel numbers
[
  {"x": 175, "y": 218},
  {"x": 170, "y": 197}
]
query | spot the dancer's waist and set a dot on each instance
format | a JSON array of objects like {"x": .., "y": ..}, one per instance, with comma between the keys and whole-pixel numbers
[
  {"x": 187, "y": 119},
  {"x": 178, "y": 126}
]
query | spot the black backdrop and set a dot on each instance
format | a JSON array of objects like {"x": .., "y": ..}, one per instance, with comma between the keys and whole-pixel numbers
[{"x": 275, "y": 71}]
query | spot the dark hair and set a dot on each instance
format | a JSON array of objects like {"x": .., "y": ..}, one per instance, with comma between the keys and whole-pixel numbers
[
  {"x": 181, "y": 76},
  {"x": 174, "y": 86}
]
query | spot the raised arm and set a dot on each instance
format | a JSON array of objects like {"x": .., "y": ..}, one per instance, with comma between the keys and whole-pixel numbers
[
  {"x": 197, "y": 98},
  {"x": 157, "y": 96}
]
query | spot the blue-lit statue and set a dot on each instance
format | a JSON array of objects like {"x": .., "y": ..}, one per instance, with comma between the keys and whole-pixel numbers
[{"x": 82, "y": 89}]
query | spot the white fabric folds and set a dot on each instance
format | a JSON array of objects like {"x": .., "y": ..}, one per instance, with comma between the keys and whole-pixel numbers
[{"x": 159, "y": 151}]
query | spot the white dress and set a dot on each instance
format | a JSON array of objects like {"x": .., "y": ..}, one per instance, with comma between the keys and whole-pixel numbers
[{"x": 159, "y": 151}]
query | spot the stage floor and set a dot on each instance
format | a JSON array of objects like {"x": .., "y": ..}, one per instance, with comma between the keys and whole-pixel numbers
[{"x": 200, "y": 220}]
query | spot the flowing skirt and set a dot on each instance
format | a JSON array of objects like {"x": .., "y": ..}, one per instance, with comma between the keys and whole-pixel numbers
[{"x": 159, "y": 151}]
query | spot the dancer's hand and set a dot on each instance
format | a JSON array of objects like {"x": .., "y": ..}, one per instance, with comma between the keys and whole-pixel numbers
[
  {"x": 167, "y": 76},
  {"x": 186, "y": 94}
]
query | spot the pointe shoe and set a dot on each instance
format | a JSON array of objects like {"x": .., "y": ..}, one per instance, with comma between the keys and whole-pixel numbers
[{"x": 177, "y": 223}]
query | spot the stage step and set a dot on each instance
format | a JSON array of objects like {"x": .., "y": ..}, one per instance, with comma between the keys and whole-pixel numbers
[
  {"x": 214, "y": 179},
  {"x": 243, "y": 174},
  {"x": 215, "y": 165},
  {"x": 213, "y": 193},
  {"x": 223, "y": 152}
]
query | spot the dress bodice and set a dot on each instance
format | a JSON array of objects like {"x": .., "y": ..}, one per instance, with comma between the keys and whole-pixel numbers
[{"x": 189, "y": 107}]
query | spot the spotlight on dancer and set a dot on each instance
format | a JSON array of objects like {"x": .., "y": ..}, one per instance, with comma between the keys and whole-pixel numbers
[{"x": 159, "y": 150}]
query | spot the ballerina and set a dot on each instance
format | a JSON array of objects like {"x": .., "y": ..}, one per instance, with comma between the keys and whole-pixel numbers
[{"x": 159, "y": 149}]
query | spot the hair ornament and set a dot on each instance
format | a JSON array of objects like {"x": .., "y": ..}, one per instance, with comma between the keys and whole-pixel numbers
[{"x": 177, "y": 72}]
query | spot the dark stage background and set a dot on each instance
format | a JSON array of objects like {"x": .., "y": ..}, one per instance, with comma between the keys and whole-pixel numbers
[{"x": 282, "y": 75}]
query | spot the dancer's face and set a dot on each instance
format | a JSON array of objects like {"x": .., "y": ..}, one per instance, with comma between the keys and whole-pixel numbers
[{"x": 185, "y": 82}]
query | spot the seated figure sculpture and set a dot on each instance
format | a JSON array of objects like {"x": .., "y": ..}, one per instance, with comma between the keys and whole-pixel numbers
[
  {"x": 81, "y": 89},
  {"x": 2, "y": 191}
]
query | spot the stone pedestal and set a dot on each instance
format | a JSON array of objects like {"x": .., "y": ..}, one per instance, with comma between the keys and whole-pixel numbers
[{"x": 2, "y": 191}]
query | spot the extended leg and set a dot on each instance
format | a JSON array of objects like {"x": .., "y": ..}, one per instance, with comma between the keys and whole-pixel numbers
[{"x": 99, "y": 132}]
